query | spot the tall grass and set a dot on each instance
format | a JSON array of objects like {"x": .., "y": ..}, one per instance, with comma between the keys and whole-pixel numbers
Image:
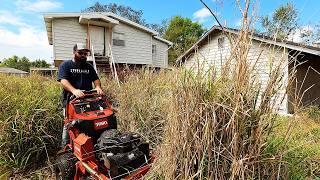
[
  {"x": 202, "y": 124},
  {"x": 30, "y": 121},
  {"x": 193, "y": 122},
  {"x": 142, "y": 102},
  {"x": 296, "y": 141}
]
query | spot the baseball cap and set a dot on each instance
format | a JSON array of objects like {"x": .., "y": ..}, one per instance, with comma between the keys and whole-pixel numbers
[{"x": 80, "y": 46}]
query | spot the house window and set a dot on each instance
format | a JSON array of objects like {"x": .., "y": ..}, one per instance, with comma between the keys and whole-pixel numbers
[
  {"x": 220, "y": 42},
  {"x": 118, "y": 39},
  {"x": 154, "y": 50}
]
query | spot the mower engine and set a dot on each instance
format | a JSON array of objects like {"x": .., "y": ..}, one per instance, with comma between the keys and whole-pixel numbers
[{"x": 122, "y": 152}]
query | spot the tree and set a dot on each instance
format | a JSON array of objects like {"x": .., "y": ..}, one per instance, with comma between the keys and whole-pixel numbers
[
  {"x": 183, "y": 33},
  {"x": 39, "y": 63},
  {"x": 283, "y": 22},
  {"x": 160, "y": 28},
  {"x": 17, "y": 63},
  {"x": 23, "y": 63},
  {"x": 126, "y": 12},
  {"x": 121, "y": 10}
]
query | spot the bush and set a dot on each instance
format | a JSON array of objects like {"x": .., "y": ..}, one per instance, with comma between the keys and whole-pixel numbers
[{"x": 296, "y": 140}]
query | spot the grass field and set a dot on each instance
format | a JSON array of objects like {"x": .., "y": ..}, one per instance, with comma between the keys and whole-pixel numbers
[
  {"x": 201, "y": 125},
  {"x": 31, "y": 125}
]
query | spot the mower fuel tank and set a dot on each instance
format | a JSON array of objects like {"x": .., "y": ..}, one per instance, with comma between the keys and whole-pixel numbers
[{"x": 83, "y": 146}]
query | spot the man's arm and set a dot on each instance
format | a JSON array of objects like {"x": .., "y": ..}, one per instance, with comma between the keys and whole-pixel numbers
[
  {"x": 67, "y": 86},
  {"x": 97, "y": 85}
]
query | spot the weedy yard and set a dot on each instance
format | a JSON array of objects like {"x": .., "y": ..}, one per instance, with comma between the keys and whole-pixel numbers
[
  {"x": 191, "y": 121},
  {"x": 201, "y": 123}
]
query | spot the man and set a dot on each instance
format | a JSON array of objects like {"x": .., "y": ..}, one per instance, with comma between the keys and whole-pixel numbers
[{"x": 76, "y": 75}]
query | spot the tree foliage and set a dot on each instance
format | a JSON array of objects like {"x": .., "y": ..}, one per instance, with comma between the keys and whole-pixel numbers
[
  {"x": 39, "y": 63},
  {"x": 183, "y": 33},
  {"x": 23, "y": 63},
  {"x": 121, "y": 10},
  {"x": 283, "y": 21},
  {"x": 126, "y": 12}
]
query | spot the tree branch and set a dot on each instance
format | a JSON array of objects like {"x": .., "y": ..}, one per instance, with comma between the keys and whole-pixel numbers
[{"x": 215, "y": 17}]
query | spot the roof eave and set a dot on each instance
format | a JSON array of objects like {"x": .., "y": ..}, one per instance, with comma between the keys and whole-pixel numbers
[
  {"x": 163, "y": 40},
  {"x": 48, "y": 24},
  {"x": 127, "y": 21},
  {"x": 274, "y": 42},
  {"x": 49, "y": 16}
]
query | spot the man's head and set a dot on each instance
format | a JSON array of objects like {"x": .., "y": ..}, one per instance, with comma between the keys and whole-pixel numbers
[{"x": 80, "y": 53}]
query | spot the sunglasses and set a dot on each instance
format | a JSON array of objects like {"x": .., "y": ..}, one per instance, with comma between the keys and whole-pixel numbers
[{"x": 82, "y": 53}]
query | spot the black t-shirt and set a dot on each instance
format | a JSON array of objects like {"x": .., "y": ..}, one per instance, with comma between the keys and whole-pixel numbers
[{"x": 80, "y": 77}]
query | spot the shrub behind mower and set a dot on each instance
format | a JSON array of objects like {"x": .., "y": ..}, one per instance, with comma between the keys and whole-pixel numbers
[{"x": 97, "y": 150}]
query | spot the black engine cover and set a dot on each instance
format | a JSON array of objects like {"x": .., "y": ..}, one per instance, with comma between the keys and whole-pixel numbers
[{"x": 123, "y": 151}]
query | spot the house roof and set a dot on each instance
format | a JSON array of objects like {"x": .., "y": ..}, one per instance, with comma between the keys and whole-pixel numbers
[
  {"x": 85, "y": 18},
  {"x": 8, "y": 70},
  {"x": 106, "y": 16},
  {"x": 266, "y": 39},
  {"x": 164, "y": 40},
  {"x": 43, "y": 69}
]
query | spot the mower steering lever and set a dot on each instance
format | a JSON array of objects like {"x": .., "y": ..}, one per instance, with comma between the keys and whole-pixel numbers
[{"x": 90, "y": 92}]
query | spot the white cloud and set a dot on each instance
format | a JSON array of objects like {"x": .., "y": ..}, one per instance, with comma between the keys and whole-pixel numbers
[
  {"x": 203, "y": 15},
  {"x": 25, "y": 37},
  {"x": 7, "y": 17},
  {"x": 25, "y": 40},
  {"x": 38, "y": 6}
]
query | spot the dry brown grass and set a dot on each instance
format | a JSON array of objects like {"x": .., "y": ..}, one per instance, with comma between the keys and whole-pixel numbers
[{"x": 204, "y": 126}]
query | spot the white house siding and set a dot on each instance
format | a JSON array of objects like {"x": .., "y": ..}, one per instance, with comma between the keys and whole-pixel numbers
[
  {"x": 67, "y": 32},
  {"x": 209, "y": 55},
  {"x": 137, "y": 49},
  {"x": 268, "y": 57},
  {"x": 160, "y": 59}
]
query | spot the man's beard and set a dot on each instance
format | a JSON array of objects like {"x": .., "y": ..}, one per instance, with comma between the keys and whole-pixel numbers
[{"x": 82, "y": 61}]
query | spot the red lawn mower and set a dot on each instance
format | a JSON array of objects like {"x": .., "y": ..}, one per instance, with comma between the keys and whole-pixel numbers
[{"x": 97, "y": 150}]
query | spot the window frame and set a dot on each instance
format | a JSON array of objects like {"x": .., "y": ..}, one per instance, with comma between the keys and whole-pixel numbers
[
  {"x": 118, "y": 39},
  {"x": 154, "y": 50},
  {"x": 221, "y": 42}
]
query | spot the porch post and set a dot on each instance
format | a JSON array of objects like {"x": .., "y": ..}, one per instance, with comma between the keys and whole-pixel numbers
[{"x": 88, "y": 36}]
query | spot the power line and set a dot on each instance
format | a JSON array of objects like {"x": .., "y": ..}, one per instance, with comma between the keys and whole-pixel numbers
[{"x": 215, "y": 17}]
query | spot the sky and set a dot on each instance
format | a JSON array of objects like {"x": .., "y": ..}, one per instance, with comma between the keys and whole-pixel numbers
[{"x": 23, "y": 33}]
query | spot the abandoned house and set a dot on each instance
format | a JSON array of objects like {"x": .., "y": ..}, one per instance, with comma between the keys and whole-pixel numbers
[
  {"x": 112, "y": 40},
  {"x": 301, "y": 83}
]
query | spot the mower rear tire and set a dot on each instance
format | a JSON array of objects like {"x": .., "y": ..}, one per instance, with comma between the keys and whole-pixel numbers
[
  {"x": 113, "y": 122},
  {"x": 64, "y": 167}
]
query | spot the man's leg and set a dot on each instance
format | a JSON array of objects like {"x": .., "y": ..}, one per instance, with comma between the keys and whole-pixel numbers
[{"x": 65, "y": 133}]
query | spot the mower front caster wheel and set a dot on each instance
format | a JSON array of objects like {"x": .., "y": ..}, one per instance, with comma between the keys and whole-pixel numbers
[{"x": 64, "y": 166}]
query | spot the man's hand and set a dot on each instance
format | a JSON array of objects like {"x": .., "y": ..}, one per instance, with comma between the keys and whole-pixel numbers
[
  {"x": 99, "y": 90},
  {"x": 78, "y": 93}
]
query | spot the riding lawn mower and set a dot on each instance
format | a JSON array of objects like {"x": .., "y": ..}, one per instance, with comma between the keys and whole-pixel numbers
[{"x": 97, "y": 150}]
